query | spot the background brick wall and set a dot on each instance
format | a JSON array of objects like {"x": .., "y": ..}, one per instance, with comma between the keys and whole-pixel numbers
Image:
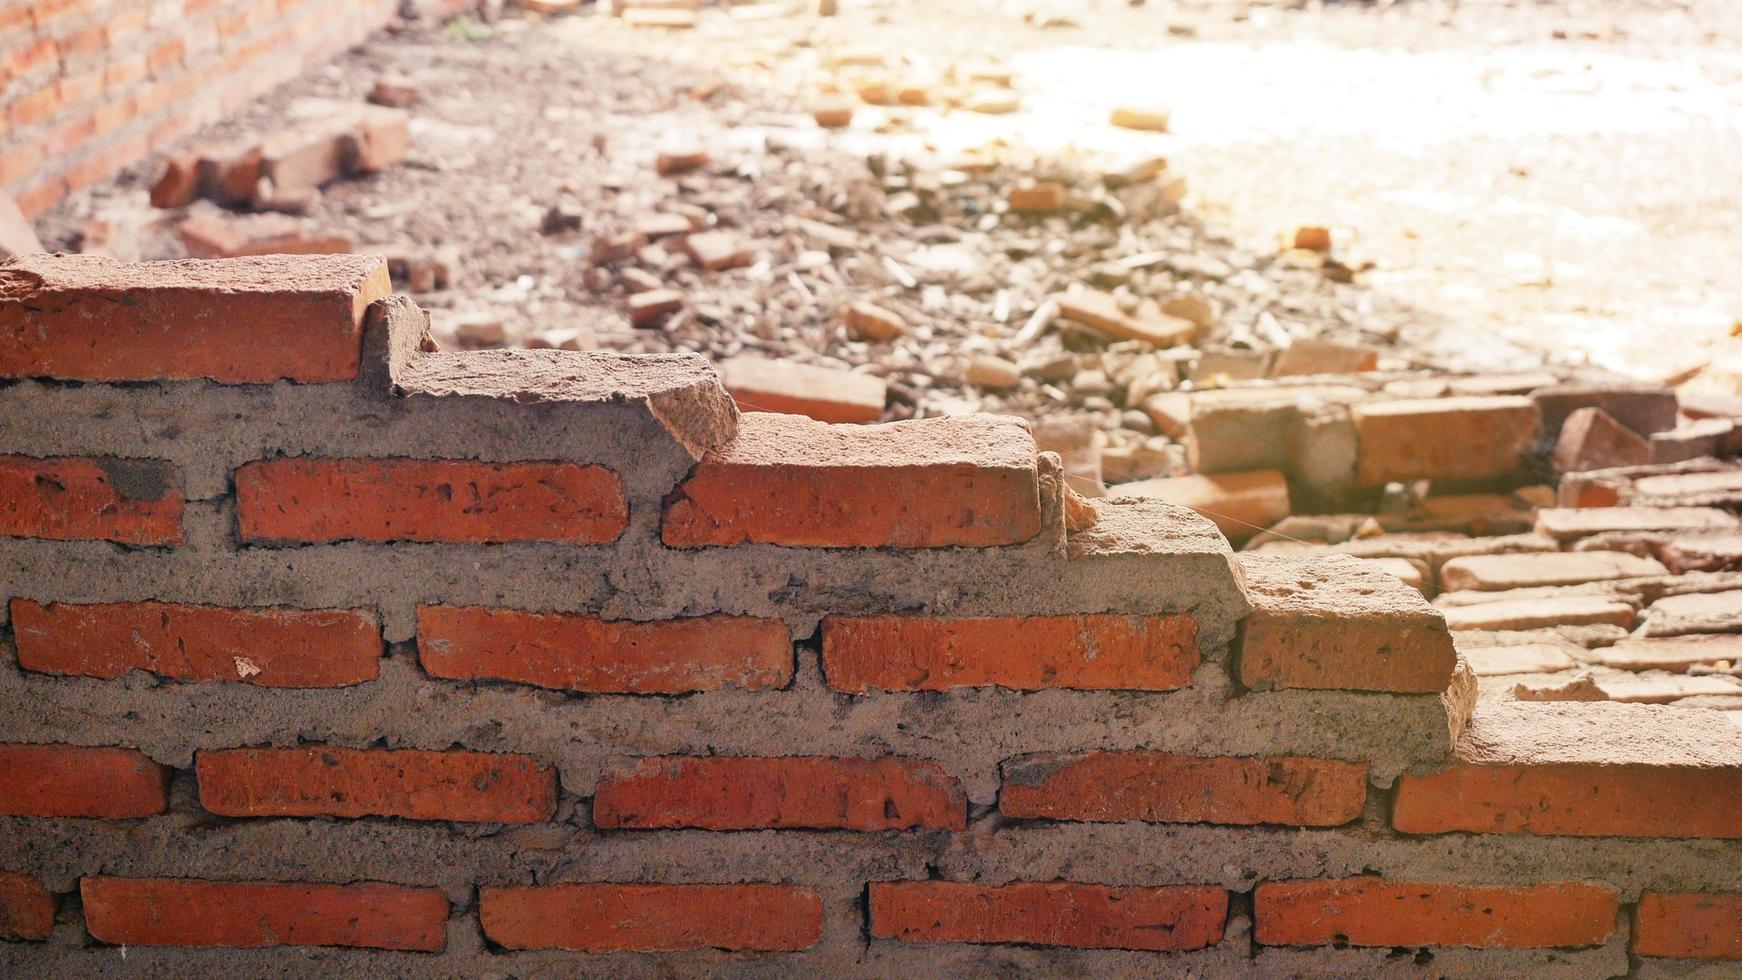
[{"x": 90, "y": 86}]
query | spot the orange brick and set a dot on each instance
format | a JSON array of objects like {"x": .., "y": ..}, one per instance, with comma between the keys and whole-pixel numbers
[
  {"x": 125, "y": 500},
  {"x": 969, "y": 481},
  {"x": 1689, "y": 925},
  {"x": 1241, "y": 504},
  {"x": 1572, "y": 799},
  {"x": 735, "y": 793},
  {"x": 826, "y": 394},
  {"x": 583, "y": 653},
  {"x": 1334, "y": 622},
  {"x": 1170, "y": 918},
  {"x": 76, "y": 781},
  {"x": 1098, "y": 651},
  {"x": 607, "y": 918},
  {"x": 84, "y": 317},
  {"x": 165, "y": 55},
  {"x": 1163, "y": 788},
  {"x": 318, "y": 500},
  {"x": 269, "y": 647},
  {"x": 30, "y": 109},
  {"x": 189, "y": 912},
  {"x": 1376, "y": 912},
  {"x": 1473, "y": 438},
  {"x": 26, "y": 908},
  {"x": 327, "y": 780}
]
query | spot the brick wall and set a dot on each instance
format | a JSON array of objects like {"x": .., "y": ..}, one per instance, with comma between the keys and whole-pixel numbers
[
  {"x": 90, "y": 86},
  {"x": 377, "y": 660}
]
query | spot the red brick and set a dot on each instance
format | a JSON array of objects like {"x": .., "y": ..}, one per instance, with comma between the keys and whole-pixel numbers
[
  {"x": 262, "y": 319},
  {"x": 189, "y": 912},
  {"x": 318, "y": 500},
  {"x": 606, "y": 918},
  {"x": 1169, "y": 918},
  {"x": 26, "y": 908},
  {"x": 328, "y": 780},
  {"x": 1473, "y": 438},
  {"x": 1376, "y": 912},
  {"x": 270, "y": 647},
  {"x": 76, "y": 781},
  {"x": 1591, "y": 439},
  {"x": 1689, "y": 925},
  {"x": 1097, "y": 651},
  {"x": 165, "y": 55},
  {"x": 1333, "y": 622},
  {"x": 583, "y": 653},
  {"x": 969, "y": 481},
  {"x": 1572, "y": 799},
  {"x": 735, "y": 793},
  {"x": 124, "y": 500},
  {"x": 1162, "y": 788},
  {"x": 28, "y": 110}
]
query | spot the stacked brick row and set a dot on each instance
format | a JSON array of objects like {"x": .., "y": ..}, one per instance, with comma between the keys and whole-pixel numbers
[
  {"x": 90, "y": 86},
  {"x": 329, "y": 651}
]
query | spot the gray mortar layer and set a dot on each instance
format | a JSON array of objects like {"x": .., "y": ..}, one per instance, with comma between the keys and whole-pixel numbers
[{"x": 650, "y": 425}]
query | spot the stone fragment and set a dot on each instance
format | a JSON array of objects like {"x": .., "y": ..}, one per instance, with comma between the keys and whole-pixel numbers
[{"x": 825, "y": 394}]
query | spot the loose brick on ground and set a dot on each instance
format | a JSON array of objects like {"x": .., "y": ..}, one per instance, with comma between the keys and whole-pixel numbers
[
  {"x": 1378, "y": 912},
  {"x": 188, "y": 912},
  {"x": 1105, "y": 651},
  {"x": 606, "y": 918},
  {"x": 1168, "y": 918},
  {"x": 1241, "y": 504},
  {"x": 739, "y": 793},
  {"x": 1591, "y": 439},
  {"x": 1689, "y": 925},
  {"x": 80, "y": 781},
  {"x": 1703, "y": 553},
  {"x": 1498, "y": 572},
  {"x": 1676, "y": 653},
  {"x": 760, "y": 384},
  {"x": 1525, "y": 658},
  {"x": 1528, "y": 614},
  {"x": 305, "y": 501},
  {"x": 1164, "y": 788},
  {"x": 569, "y": 651},
  {"x": 1569, "y": 524},
  {"x": 131, "y": 501},
  {"x": 269, "y": 647},
  {"x": 253, "y": 320},
  {"x": 1664, "y": 690},
  {"x": 1473, "y": 438},
  {"x": 329, "y": 780},
  {"x": 968, "y": 481},
  {"x": 1680, "y": 615}
]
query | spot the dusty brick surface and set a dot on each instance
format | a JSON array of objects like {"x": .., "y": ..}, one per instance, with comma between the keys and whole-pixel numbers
[
  {"x": 294, "y": 501},
  {"x": 729, "y": 793},
  {"x": 1527, "y": 614},
  {"x": 129, "y": 501},
  {"x": 1689, "y": 925},
  {"x": 1377, "y": 912},
  {"x": 1591, "y": 439},
  {"x": 968, "y": 481},
  {"x": 269, "y": 647},
  {"x": 604, "y": 918},
  {"x": 79, "y": 781},
  {"x": 1334, "y": 622},
  {"x": 83, "y": 317},
  {"x": 411, "y": 783},
  {"x": 1496, "y": 572},
  {"x": 903, "y": 653},
  {"x": 585, "y": 653},
  {"x": 187, "y": 912},
  {"x": 26, "y": 908},
  {"x": 1241, "y": 504},
  {"x": 1169, "y": 918},
  {"x": 1163, "y": 788},
  {"x": 759, "y": 384},
  {"x": 1474, "y": 438},
  {"x": 1567, "y": 524}
]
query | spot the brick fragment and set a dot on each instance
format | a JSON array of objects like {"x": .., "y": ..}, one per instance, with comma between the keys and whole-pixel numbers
[
  {"x": 608, "y": 918},
  {"x": 1314, "y": 238},
  {"x": 1377, "y": 912},
  {"x": 327, "y": 780},
  {"x": 247, "y": 914},
  {"x": 649, "y": 307},
  {"x": 318, "y": 500},
  {"x": 253, "y": 320},
  {"x": 1523, "y": 658},
  {"x": 1162, "y": 788},
  {"x": 1497, "y": 572},
  {"x": 1152, "y": 118},
  {"x": 1688, "y": 925},
  {"x": 1541, "y": 613},
  {"x": 26, "y": 908},
  {"x": 1042, "y": 198},
  {"x": 1170, "y": 918},
  {"x": 1332, "y": 622},
  {"x": 1674, "y": 653},
  {"x": 716, "y": 251},
  {"x": 131, "y": 501},
  {"x": 1591, "y": 439},
  {"x": 79, "y": 781},
  {"x": 1090, "y": 652},
  {"x": 584, "y": 653},
  {"x": 760, "y": 384},
  {"x": 969, "y": 481},
  {"x": 871, "y": 322},
  {"x": 1645, "y": 409},
  {"x": 1474, "y": 438},
  {"x": 1681, "y": 615},
  {"x": 208, "y": 236},
  {"x": 1241, "y": 504},
  {"x": 1101, "y": 312},
  {"x": 745, "y": 793},
  {"x": 1703, "y": 553},
  {"x": 179, "y": 184},
  {"x": 270, "y": 647},
  {"x": 1307, "y": 357}
]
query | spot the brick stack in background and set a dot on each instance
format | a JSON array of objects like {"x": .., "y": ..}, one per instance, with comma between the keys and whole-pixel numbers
[
  {"x": 326, "y": 651},
  {"x": 91, "y": 86}
]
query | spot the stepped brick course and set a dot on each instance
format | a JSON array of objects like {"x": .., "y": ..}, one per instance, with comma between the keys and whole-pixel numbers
[{"x": 509, "y": 662}]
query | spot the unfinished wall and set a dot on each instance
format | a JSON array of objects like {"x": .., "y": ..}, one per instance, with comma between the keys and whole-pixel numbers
[
  {"x": 90, "y": 86},
  {"x": 326, "y": 651}
]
